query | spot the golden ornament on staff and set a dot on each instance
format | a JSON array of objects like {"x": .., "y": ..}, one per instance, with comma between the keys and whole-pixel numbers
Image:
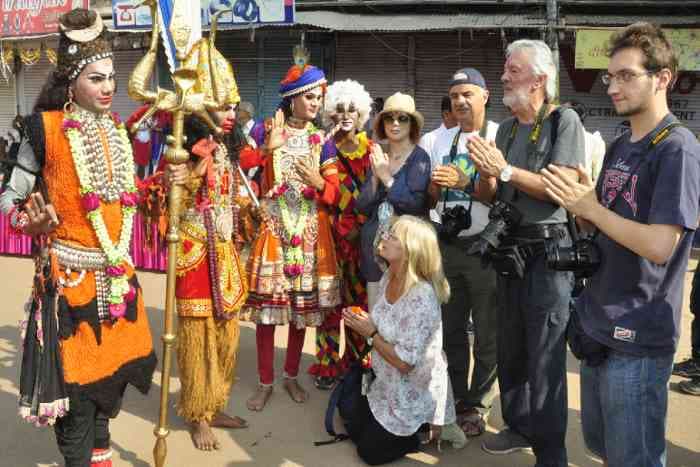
[{"x": 190, "y": 97}]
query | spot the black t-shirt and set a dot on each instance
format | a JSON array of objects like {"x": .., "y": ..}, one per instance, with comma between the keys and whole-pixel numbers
[{"x": 631, "y": 304}]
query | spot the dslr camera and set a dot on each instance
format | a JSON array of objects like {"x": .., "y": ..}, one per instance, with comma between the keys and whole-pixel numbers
[
  {"x": 453, "y": 221},
  {"x": 583, "y": 257},
  {"x": 503, "y": 218}
]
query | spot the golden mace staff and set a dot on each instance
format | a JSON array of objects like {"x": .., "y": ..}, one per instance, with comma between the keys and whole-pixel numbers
[{"x": 178, "y": 103}]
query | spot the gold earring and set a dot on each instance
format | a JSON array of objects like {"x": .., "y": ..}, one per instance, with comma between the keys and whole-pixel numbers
[{"x": 69, "y": 107}]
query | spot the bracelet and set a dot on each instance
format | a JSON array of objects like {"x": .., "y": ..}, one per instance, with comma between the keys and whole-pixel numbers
[{"x": 19, "y": 219}]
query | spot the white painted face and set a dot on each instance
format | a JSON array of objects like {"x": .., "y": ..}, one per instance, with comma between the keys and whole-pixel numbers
[{"x": 347, "y": 116}]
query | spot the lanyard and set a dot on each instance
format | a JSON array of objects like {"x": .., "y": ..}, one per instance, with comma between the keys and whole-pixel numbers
[
  {"x": 453, "y": 153},
  {"x": 535, "y": 133}
]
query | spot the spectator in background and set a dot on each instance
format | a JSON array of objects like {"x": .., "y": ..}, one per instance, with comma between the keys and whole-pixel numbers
[
  {"x": 246, "y": 117},
  {"x": 449, "y": 121},
  {"x": 595, "y": 146}
]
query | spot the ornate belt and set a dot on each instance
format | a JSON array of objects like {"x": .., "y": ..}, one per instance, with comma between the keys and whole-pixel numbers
[{"x": 81, "y": 259}]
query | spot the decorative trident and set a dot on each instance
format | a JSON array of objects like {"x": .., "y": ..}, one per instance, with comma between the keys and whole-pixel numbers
[{"x": 179, "y": 103}]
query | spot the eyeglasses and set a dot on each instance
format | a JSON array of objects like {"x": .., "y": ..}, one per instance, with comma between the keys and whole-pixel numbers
[
  {"x": 388, "y": 235},
  {"x": 402, "y": 118},
  {"x": 624, "y": 76}
]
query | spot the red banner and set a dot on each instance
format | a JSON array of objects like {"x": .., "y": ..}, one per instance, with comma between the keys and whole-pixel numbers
[{"x": 32, "y": 17}]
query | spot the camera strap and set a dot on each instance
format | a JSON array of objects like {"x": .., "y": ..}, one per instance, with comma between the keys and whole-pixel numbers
[
  {"x": 453, "y": 154},
  {"x": 534, "y": 136},
  {"x": 657, "y": 138}
]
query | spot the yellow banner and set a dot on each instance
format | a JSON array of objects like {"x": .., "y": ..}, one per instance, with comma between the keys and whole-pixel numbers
[{"x": 591, "y": 47}]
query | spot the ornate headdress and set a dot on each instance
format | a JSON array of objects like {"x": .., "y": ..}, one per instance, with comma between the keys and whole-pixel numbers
[
  {"x": 346, "y": 92},
  {"x": 83, "y": 41},
  {"x": 215, "y": 78},
  {"x": 301, "y": 76}
]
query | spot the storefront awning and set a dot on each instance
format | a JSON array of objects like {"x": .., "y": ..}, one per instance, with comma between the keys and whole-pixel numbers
[{"x": 594, "y": 21}]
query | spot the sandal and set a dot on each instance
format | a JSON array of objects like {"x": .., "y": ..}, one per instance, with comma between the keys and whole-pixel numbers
[
  {"x": 324, "y": 382},
  {"x": 472, "y": 423}
]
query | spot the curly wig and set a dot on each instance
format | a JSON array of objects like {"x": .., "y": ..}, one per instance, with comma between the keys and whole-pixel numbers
[{"x": 346, "y": 92}]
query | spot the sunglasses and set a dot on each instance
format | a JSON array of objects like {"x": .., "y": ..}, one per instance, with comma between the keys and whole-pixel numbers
[{"x": 402, "y": 119}]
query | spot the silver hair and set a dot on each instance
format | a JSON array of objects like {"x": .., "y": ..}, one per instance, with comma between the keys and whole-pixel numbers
[
  {"x": 346, "y": 92},
  {"x": 541, "y": 61}
]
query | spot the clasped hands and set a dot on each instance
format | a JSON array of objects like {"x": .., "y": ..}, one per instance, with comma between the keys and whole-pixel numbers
[{"x": 360, "y": 322}]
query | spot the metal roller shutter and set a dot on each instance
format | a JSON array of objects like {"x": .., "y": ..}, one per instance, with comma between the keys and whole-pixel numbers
[
  {"x": 439, "y": 55},
  {"x": 8, "y": 103},
  {"x": 124, "y": 63},
  {"x": 237, "y": 48},
  {"x": 379, "y": 62},
  {"x": 31, "y": 80}
]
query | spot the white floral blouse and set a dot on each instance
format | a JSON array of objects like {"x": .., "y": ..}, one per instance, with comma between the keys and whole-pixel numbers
[{"x": 413, "y": 324}]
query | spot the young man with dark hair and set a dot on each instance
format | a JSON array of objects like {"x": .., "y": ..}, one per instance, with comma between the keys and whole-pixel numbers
[{"x": 629, "y": 313}]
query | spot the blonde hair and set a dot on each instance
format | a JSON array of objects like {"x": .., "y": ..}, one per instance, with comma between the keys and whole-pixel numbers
[{"x": 423, "y": 261}]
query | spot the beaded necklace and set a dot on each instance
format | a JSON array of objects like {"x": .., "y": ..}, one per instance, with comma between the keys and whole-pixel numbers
[{"x": 106, "y": 174}]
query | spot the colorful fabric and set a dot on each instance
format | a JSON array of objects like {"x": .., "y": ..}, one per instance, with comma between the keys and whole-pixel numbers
[
  {"x": 301, "y": 79},
  {"x": 98, "y": 360},
  {"x": 206, "y": 357},
  {"x": 304, "y": 299},
  {"x": 347, "y": 222}
]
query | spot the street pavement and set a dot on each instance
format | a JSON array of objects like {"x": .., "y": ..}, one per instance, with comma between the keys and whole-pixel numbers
[{"x": 283, "y": 434}]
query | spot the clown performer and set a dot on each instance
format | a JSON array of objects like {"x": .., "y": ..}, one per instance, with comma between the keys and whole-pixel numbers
[
  {"x": 86, "y": 336},
  {"x": 292, "y": 269},
  {"x": 347, "y": 105}
]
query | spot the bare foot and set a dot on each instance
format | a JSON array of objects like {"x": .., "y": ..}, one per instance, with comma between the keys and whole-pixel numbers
[
  {"x": 295, "y": 391},
  {"x": 222, "y": 420},
  {"x": 202, "y": 436},
  {"x": 259, "y": 398}
]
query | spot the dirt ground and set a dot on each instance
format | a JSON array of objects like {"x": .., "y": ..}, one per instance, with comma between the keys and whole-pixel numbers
[{"x": 284, "y": 433}]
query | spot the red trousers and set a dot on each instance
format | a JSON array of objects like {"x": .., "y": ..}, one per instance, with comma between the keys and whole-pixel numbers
[{"x": 265, "y": 340}]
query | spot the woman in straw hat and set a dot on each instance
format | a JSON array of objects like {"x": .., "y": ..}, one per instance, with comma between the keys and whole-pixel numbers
[{"x": 397, "y": 183}]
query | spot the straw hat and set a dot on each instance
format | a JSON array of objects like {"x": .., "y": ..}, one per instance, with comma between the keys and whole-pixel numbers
[{"x": 400, "y": 102}]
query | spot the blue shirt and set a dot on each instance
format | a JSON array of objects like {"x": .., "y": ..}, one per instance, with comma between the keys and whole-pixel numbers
[{"x": 632, "y": 304}]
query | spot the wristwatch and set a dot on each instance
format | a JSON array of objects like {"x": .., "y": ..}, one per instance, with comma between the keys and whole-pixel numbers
[
  {"x": 370, "y": 339},
  {"x": 506, "y": 173}
]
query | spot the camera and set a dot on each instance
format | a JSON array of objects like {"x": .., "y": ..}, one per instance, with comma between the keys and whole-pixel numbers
[
  {"x": 503, "y": 217},
  {"x": 583, "y": 257},
  {"x": 453, "y": 221}
]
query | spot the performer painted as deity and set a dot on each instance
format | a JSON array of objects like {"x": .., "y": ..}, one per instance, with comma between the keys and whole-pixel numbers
[
  {"x": 211, "y": 286},
  {"x": 347, "y": 105},
  {"x": 86, "y": 337},
  {"x": 292, "y": 269}
]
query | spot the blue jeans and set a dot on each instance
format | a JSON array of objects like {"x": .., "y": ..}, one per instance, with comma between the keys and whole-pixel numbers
[{"x": 623, "y": 409}]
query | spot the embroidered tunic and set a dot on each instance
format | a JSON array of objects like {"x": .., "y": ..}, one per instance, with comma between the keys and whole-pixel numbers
[
  {"x": 97, "y": 355},
  {"x": 216, "y": 193},
  {"x": 276, "y": 297}
]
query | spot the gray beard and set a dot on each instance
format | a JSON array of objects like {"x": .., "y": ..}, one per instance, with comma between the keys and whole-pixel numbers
[{"x": 515, "y": 100}]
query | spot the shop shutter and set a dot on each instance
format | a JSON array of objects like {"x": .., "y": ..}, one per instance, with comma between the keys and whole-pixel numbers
[
  {"x": 124, "y": 63},
  {"x": 439, "y": 55},
  {"x": 8, "y": 103},
  {"x": 31, "y": 80},
  {"x": 377, "y": 61},
  {"x": 237, "y": 48}
]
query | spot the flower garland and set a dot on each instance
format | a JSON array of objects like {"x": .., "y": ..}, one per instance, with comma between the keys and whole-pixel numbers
[
  {"x": 120, "y": 291},
  {"x": 294, "y": 254}
]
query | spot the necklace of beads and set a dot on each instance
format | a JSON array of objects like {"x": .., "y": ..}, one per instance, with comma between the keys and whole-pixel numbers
[{"x": 95, "y": 187}]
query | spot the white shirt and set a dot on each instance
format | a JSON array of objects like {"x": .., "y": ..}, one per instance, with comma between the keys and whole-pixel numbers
[
  {"x": 413, "y": 324},
  {"x": 595, "y": 152},
  {"x": 248, "y": 126},
  {"x": 438, "y": 145}
]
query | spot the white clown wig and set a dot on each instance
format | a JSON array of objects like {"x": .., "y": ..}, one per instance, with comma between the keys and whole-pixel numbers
[{"x": 346, "y": 92}]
